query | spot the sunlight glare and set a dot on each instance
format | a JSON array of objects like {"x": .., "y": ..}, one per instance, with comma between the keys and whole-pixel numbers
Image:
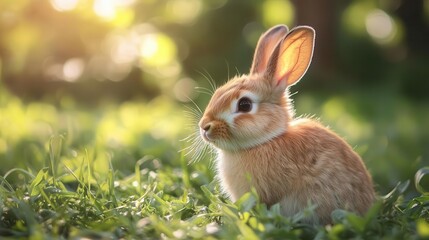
[
  {"x": 105, "y": 9},
  {"x": 149, "y": 46},
  {"x": 64, "y": 5},
  {"x": 73, "y": 69},
  {"x": 125, "y": 3},
  {"x": 157, "y": 49}
]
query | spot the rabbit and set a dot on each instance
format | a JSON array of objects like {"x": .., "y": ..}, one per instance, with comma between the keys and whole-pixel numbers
[{"x": 250, "y": 123}]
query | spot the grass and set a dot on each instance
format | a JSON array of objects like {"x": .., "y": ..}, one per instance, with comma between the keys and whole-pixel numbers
[{"x": 116, "y": 172}]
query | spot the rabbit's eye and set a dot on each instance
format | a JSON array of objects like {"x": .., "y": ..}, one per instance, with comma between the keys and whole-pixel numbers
[{"x": 244, "y": 105}]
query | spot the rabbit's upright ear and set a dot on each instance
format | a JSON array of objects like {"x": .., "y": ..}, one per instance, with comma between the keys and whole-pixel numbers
[
  {"x": 264, "y": 49},
  {"x": 291, "y": 57}
]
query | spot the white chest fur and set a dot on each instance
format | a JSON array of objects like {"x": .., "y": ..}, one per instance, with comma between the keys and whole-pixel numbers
[
  {"x": 233, "y": 177},
  {"x": 238, "y": 173}
]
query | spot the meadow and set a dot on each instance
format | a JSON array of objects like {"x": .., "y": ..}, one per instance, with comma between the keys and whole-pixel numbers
[{"x": 116, "y": 172}]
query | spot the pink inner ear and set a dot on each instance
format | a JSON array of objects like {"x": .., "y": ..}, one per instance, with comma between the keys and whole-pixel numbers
[
  {"x": 282, "y": 72},
  {"x": 294, "y": 57},
  {"x": 283, "y": 79},
  {"x": 265, "y": 47}
]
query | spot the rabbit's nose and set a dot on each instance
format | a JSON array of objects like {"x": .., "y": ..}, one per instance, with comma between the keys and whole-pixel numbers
[{"x": 207, "y": 127}]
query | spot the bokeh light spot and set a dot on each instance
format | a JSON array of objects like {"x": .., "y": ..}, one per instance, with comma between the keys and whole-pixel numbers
[
  {"x": 184, "y": 11},
  {"x": 354, "y": 16},
  {"x": 64, "y": 5},
  {"x": 123, "y": 17},
  {"x": 149, "y": 46},
  {"x": 122, "y": 50},
  {"x": 251, "y": 32},
  {"x": 105, "y": 9},
  {"x": 73, "y": 69},
  {"x": 379, "y": 25},
  {"x": 184, "y": 89},
  {"x": 157, "y": 49},
  {"x": 335, "y": 110},
  {"x": 22, "y": 39},
  {"x": 171, "y": 70},
  {"x": 277, "y": 12}
]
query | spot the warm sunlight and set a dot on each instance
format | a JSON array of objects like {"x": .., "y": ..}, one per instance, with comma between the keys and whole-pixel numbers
[
  {"x": 149, "y": 46},
  {"x": 157, "y": 49},
  {"x": 64, "y": 5},
  {"x": 105, "y": 9},
  {"x": 73, "y": 69}
]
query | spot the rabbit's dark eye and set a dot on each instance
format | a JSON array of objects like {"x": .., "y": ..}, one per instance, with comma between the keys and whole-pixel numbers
[{"x": 244, "y": 105}]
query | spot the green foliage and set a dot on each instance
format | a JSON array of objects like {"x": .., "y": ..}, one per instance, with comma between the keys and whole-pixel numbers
[
  {"x": 145, "y": 208},
  {"x": 71, "y": 172}
]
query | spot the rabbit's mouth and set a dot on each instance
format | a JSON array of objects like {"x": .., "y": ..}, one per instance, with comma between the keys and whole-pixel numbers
[
  {"x": 213, "y": 138},
  {"x": 206, "y": 136}
]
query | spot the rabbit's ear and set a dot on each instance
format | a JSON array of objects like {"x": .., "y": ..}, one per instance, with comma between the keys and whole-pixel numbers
[
  {"x": 291, "y": 57},
  {"x": 266, "y": 44}
]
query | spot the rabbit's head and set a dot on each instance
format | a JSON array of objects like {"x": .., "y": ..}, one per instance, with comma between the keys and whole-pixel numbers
[{"x": 252, "y": 109}]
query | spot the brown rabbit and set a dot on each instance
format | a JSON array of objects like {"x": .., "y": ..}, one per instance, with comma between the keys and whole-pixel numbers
[{"x": 259, "y": 144}]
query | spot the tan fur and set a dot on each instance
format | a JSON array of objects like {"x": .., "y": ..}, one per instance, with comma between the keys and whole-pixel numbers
[
  {"x": 307, "y": 163},
  {"x": 291, "y": 162}
]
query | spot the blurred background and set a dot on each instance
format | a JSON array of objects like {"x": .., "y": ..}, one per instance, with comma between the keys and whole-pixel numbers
[{"x": 116, "y": 75}]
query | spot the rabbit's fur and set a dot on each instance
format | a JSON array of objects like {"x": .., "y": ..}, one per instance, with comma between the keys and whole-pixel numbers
[{"x": 294, "y": 162}]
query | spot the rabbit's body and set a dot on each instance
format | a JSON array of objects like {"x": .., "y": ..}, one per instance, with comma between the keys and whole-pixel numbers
[
  {"x": 249, "y": 121},
  {"x": 296, "y": 169}
]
